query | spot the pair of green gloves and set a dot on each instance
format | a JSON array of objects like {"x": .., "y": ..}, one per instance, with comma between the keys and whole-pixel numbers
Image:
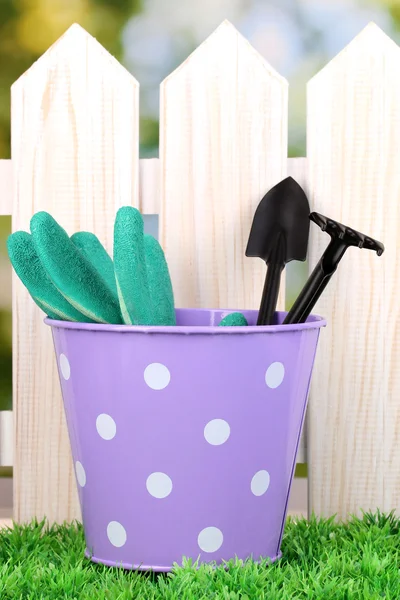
[{"x": 74, "y": 279}]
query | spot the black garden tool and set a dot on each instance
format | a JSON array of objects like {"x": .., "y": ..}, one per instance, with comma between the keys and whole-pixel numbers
[
  {"x": 341, "y": 238},
  {"x": 279, "y": 234}
]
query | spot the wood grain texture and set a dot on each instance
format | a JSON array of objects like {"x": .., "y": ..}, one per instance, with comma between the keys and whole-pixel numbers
[
  {"x": 353, "y": 152},
  {"x": 149, "y": 186},
  {"x": 223, "y": 144},
  {"x": 75, "y": 155},
  {"x": 6, "y": 183},
  {"x": 297, "y": 168}
]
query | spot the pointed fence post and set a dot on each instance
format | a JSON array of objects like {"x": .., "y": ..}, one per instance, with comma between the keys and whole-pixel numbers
[
  {"x": 75, "y": 155},
  {"x": 223, "y": 144},
  {"x": 353, "y": 133}
]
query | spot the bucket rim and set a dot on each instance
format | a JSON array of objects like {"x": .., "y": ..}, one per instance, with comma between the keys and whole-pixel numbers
[{"x": 313, "y": 322}]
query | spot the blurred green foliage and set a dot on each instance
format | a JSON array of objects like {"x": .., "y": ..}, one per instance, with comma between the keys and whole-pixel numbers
[
  {"x": 5, "y": 361},
  {"x": 6, "y": 472},
  {"x": 5, "y": 329}
]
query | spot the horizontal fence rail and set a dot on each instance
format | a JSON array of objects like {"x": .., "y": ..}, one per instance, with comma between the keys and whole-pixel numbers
[{"x": 6, "y": 438}]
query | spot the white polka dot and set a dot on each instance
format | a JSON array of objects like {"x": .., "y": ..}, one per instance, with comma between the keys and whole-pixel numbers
[
  {"x": 210, "y": 539},
  {"x": 159, "y": 485},
  {"x": 116, "y": 534},
  {"x": 260, "y": 483},
  {"x": 80, "y": 473},
  {"x": 274, "y": 375},
  {"x": 217, "y": 432},
  {"x": 65, "y": 368},
  {"x": 157, "y": 376},
  {"x": 106, "y": 427}
]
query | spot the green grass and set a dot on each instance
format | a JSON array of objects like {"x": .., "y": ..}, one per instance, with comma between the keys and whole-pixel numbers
[{"x": 321, "y": 559}]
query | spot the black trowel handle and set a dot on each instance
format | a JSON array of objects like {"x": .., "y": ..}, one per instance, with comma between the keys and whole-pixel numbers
[
  {"x": 270, "y": 294},
  {"x": 308, "y": 296},
  {"x": 316, "y": 283}
]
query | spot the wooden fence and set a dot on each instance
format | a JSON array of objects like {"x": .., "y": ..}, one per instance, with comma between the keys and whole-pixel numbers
[{"x": 223, "y": 143}]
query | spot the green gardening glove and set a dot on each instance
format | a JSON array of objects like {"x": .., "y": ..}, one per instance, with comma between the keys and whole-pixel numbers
[{"x": 71, "y": 273}]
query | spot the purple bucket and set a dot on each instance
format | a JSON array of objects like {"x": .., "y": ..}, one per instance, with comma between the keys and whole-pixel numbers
[{"x": 184, "y": 439}]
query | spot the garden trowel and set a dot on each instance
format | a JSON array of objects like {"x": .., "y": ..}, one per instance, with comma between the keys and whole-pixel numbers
[{"x": 279, "y": 234}]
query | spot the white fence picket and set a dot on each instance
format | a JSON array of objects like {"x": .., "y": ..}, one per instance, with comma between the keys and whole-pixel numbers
[
  {"x": 353, "y": 153},
  {"x": 223, "y": 144},
  {"x": 75, "y": 154}
]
